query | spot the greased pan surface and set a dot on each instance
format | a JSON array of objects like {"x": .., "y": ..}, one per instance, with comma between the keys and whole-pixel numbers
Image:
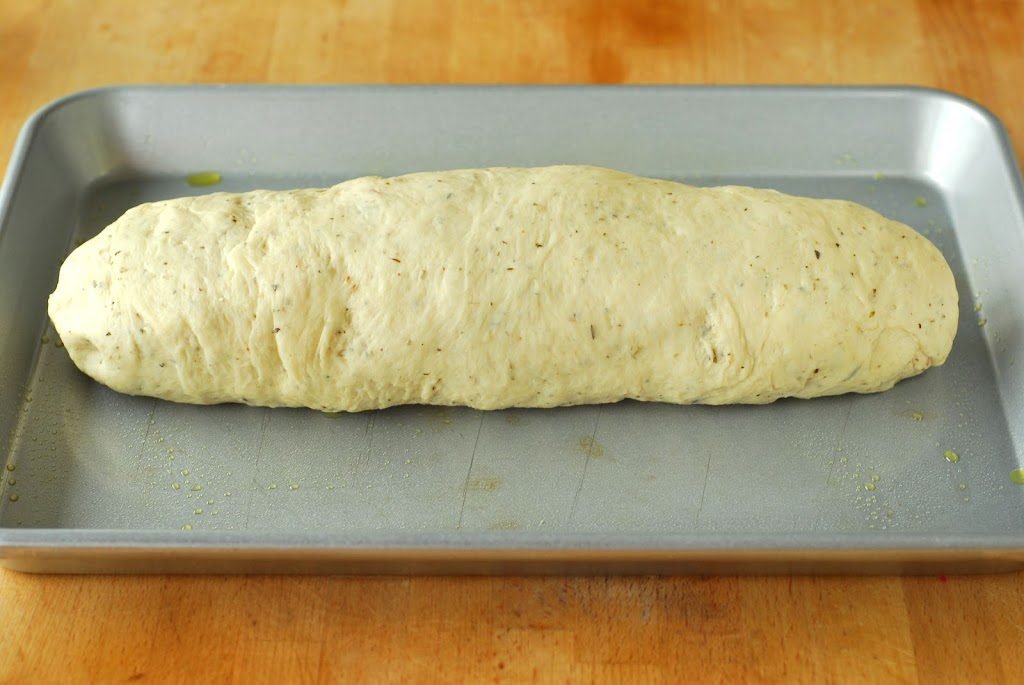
[{"x": 98, "y": 481}]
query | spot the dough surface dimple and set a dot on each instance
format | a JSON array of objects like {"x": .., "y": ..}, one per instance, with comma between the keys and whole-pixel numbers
[{"x": 503, "y": 287}]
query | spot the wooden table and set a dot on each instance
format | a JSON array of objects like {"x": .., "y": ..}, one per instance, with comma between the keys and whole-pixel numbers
[{"x": 636, "y": 630}]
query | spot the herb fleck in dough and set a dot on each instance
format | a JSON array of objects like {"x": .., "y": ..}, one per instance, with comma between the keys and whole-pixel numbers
[{"x": 503, "y": 287}]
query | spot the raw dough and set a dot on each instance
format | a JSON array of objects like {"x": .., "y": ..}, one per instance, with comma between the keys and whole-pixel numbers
[{"x": 503, "y": 287}]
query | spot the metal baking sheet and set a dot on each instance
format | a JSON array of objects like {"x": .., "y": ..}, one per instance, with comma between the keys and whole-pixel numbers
[{"x": 97, "y": 481}]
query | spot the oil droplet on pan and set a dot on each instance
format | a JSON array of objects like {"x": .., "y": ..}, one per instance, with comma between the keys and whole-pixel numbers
[
  {"x": 1017, "y": 476},
  {"x": 202, "y": 179},
  {"x": 951, "y": 456},
  {"x": 590, "y": 447}
]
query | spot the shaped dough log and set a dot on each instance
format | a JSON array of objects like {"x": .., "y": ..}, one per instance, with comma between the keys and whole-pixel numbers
[{"x": 503, "y": 287}]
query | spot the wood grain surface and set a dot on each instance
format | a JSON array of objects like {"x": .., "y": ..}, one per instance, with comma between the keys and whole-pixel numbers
[{"x": 508, "y": 629}]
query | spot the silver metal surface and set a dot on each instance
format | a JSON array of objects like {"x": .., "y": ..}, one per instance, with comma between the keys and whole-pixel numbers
[{"x": 98, "y": 481}]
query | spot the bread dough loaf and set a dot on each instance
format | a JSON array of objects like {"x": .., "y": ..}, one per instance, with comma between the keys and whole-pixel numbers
[{"x": 500, "y": 288}]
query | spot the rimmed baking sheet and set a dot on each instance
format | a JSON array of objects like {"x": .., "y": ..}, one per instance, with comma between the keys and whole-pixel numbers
[{"x": 98, "y": 481}]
